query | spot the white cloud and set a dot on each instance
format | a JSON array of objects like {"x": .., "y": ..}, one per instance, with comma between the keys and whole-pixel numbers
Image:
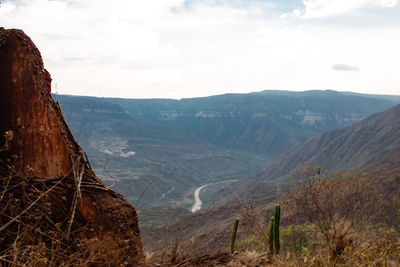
[
  {"x": 345, "y": 67},
  {"x": 387, "y": 3},
  {"x": 6, "y": 8},
  {"x": 328, "y": 8},
  {"x": 163, "y": 48}
]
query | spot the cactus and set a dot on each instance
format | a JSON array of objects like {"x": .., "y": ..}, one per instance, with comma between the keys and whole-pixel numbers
[
  {"x": 235, "y": 226},
  {"x": 273, "y": 232},
  {"x": 271, "y": 235},
  {"x": 276, "y": 228}
]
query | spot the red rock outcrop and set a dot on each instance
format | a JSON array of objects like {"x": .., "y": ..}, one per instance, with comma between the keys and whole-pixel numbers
[
  {"x": 26, "y": 108},
  {"x": 36, "y": 144}
]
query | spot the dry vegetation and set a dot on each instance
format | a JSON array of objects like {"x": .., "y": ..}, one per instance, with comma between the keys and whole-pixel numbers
[
  {"x": 339, "y": 219},
  {"x": 35, "y": 223},
  {"x": 342, "y": 219}
]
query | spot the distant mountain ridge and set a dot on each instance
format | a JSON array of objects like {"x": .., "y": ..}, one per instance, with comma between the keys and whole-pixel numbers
[
  {"x": 358, "y": 145},
  {"x": 151, "y": 165},
  {"x": 267, "y": 123},
  {"x": 157, "y": 151},
  {"x": 372, "y": 144}
]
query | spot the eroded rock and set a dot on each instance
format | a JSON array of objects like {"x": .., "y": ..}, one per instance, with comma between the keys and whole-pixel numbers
[{"x": 38, "y": 147}]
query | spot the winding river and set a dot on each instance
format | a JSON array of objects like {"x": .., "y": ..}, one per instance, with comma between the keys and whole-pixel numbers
[
  {"x": 197, "y": 204},
  {"x": 166, "y": 193}
]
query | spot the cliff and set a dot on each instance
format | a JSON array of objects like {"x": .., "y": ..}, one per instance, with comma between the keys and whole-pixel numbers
[{"x": 43, "y": 169}]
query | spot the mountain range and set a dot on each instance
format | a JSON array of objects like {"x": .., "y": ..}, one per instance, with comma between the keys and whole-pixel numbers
[
  {"x": 372, "y": 146},
  {"x": 373, "y": 140},
  {"x": 157, "y": 151},
  {"x": 266, "y": 123},
  {"x": 358, "y": 145},
  {"x": 150, "y": 165}
]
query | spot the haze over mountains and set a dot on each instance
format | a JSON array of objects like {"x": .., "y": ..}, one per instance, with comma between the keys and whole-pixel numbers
[
  {"x": 157, "y": 165},
  {"x": 371, "y": 141},
  {"x": 266, "y": 123},
  {"x": 358, "y": 145},
  {"x": 372, "y": 145},
  {"x": 156, "y": 151}
]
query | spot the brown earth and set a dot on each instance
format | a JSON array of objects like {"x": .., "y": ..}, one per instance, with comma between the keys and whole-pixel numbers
[{"x": 37, "y": 149}]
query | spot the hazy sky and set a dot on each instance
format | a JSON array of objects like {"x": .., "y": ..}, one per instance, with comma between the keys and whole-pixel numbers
[{"x": 186, "y": 48}]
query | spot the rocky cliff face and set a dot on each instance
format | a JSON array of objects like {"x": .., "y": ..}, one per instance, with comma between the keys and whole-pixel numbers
[
  {"x": 27, "y": 109},
  {"x": 266, "y": 124},
  {"x": 355, "y": 146},
  {"x": 37, "y": 145}
]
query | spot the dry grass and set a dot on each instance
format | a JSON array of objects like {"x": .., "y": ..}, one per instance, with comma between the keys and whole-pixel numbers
[
  {"x": 35, "y": 219},
  {"x": 349, "y": 217},
  {"x": 337, "y": 220},
  {"x": 92, "y": 252}
]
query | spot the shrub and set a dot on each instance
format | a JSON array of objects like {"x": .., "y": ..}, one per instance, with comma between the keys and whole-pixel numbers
[{"x": 340, "y": 206}]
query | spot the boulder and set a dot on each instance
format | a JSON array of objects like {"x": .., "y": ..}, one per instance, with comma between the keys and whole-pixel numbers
[{"x": 39, "y": 152}]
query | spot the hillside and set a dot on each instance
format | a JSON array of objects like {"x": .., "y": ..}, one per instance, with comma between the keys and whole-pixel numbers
[
  {"x": 150, "y": 165},
  {"x": 358, "y": 145},
  {"x": 267, "y": 123},
  {"x": 209, "y": 230},
  {"x": 157, "y": 151}
]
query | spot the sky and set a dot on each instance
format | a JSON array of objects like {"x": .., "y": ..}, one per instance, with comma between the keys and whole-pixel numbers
[{"x": 190, "y": 48}]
